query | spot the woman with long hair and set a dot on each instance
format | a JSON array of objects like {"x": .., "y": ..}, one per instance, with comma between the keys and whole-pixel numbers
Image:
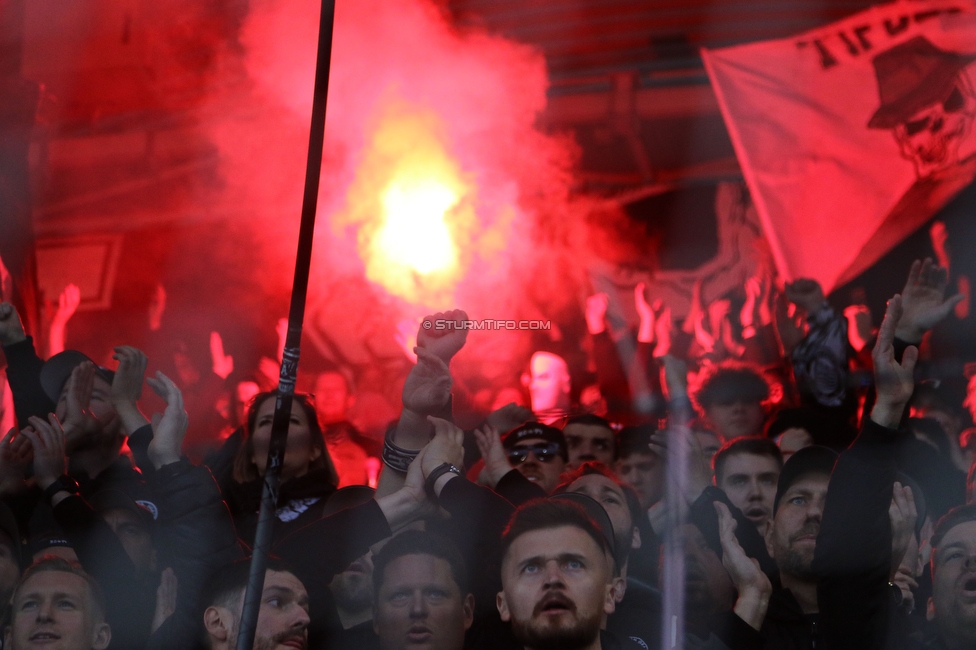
[{"x": 308, "y": 475}]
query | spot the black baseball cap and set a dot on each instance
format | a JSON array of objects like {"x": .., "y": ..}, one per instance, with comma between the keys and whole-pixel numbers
[
  {"x": 113, "y": 499},
  {"x": 44, "y": 541},
  {"x": 812, "y": 459},
  {"x": 56, "y": 371},
  {"x": 537, "y": 430}
]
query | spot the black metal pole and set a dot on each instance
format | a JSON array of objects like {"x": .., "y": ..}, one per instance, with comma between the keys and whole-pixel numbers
[{"x": 296, "y": 315}]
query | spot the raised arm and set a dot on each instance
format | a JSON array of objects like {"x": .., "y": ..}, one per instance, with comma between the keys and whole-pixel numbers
[{"x": 427, "y": 391}]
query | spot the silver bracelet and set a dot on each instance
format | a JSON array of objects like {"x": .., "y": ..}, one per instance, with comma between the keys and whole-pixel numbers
[{"x": 397, "y": 458}]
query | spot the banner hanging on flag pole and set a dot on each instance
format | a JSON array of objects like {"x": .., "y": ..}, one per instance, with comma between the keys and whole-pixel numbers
[{"x": 853, "y": 135}]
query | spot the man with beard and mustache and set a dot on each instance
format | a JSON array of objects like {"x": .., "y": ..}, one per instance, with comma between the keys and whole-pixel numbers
[
  {"x": 637, "y": 614},
  {"x": 558, "y": 578},
  {"x": 282, "y": 620},
  {"x": 843, "y": 524},
  {"x": 792, "y": 620}
]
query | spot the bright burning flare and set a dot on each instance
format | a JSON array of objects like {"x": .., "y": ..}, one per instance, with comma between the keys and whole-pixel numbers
[
  {"x": 414, "y": 233},
  {"x": 412, "y": 207}
]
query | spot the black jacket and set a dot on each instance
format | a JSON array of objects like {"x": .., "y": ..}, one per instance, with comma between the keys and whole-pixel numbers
[
  {"x": 786, "y": 627},
  {"x": 24, "y": 376},
  {"x": 195, "y": 537},
  {"x": 853, "y": 555}
]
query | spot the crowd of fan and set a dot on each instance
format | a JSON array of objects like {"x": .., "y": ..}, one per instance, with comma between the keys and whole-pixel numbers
[{"x": 810, "y": 508}]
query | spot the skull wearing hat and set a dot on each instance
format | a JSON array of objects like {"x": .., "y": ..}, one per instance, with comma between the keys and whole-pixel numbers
[{"x": 927, "y": 100}]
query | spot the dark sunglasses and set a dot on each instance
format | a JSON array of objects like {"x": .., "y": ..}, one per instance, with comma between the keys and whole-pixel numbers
[{"x": 544, "y": 451}]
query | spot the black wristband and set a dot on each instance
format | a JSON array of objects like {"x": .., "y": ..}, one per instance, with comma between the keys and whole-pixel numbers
[
  {"x": 438, "y": 472},
  {"x": 62, "y": 483}
]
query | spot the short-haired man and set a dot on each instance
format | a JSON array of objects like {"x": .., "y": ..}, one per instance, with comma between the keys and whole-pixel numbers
[
  {"x": 57, "y": 605},
  {"x": 638, "y": 465},
  {"x": 747, "y": 470},
  {"x": 421, "y": 595},
  {"x": 538, "y": 451},
  {"x": 282, "y": 619},
  {"x": 549, "y": 386},
  {"x": 558, "y": 584},
  {"x": 638, "y": 605},
  {"x": 952, "y": 608},
  {"x": 731, "y": 399},
  {"x": 589, "y": 437}
]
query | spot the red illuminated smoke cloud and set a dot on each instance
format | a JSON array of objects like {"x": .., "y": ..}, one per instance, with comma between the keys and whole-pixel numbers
[{"x": 401, "y": 74}]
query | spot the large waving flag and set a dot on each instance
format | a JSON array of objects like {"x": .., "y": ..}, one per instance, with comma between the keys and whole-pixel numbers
[{"x": 853, "y": 135}]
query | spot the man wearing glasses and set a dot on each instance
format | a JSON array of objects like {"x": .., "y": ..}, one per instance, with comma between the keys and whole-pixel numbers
[{"x": 538, "y": 452}]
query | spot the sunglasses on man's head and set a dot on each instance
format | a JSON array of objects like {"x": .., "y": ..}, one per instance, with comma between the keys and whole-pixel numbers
[{"x": 544, "y": 451}]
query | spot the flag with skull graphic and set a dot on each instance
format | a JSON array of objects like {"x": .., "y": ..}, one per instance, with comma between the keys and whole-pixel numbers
[{"x": 853, "y": 135}]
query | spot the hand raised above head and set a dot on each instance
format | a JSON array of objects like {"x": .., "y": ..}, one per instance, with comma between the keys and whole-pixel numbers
[
  {"x": 428, "y": 386},
  {"x": 68, "y": 302},
  {"x": 923, "y": 300},
  {"x": 446, "y": 342},
  {"x": 894, "y": 382},
  {"x": 493, "y": 453},
  {"x": 595, "y": 312},
  {"x": 79, "y": 422},
  {"x": 221, "y": 364},
  {"x": 127, "y": 384},
  {"x": 169, "y": 430}
]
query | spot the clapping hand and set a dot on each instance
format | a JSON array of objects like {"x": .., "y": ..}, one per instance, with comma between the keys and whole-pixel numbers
[
  {"x": 79, "y": 422},
  {"x": 903, "y": 516},
  {"x": 752, "y": 584},
  {"x": 47, "y": 440},
  {"x": 496, "y": 459},
  {"x": 169, "y": 430},
  {"x": 127, "y": 386},
  {"x": 16, "y": 456}
]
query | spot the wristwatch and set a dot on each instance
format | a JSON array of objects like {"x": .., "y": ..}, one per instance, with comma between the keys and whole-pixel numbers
[
  {"x": 63, "y": 482},
  {"x": 439, "y": 471}
]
